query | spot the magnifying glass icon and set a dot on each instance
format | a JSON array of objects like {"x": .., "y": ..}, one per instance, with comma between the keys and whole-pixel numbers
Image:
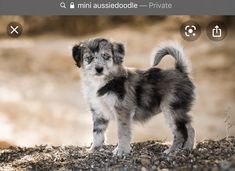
[{"x": 62, "y": 5}]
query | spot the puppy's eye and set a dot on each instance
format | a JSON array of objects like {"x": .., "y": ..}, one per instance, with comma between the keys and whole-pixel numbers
[
  {"x": 106, "y": 56},
  {"x": 88, "y": 59}
]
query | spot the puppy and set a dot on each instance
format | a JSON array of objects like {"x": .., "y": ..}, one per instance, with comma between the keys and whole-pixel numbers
[{"x": 127, "y": 95}]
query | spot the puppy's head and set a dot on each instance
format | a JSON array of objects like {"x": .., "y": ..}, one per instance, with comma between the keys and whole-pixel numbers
[{"x": 98, "y": 57}]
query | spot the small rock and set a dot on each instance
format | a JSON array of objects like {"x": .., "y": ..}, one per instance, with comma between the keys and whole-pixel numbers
[
  {"x": 143, "y": 169},
  {"x": 145, "y": 161}
]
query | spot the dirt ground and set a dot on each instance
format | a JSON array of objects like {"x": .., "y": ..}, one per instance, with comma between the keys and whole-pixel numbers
[
  {"x": 41, "y": 100},
  {"x": 208, "y": 155}
]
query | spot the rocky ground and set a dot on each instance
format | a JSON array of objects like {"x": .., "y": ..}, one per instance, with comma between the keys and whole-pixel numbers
[{"x": 207, "y": 155}]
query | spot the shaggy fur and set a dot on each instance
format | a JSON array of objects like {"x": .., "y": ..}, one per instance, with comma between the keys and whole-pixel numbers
[{"x": 114, "y": 91}]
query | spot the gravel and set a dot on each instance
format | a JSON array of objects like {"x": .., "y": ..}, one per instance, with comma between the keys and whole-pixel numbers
[{"x": 207, "y": 155}]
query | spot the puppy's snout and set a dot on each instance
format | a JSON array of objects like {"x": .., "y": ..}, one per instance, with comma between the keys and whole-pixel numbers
[{"x": 99, "y": 70}]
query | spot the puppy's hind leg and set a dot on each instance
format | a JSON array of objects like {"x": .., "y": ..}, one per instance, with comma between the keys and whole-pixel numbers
[
  {"x": 177, "y": 135},
  {"x": 184, "y": 127},
  {"x": 191, "y": 134},
  {"x": 182, "y": 131},
  {"x": 99, "y": 126}
]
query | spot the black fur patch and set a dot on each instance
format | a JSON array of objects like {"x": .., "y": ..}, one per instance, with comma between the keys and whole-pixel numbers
[
  {"x": 100, "y": 121},
  {"x": 94, "y": 45},
  {"x": 181, "y": 127},
  {"x": 151, "y": 77},
  {"x": 118, "y": 52},
  {"x": 92, "y": 110},
  {"x": 97, "y": 130},
  {"x": 116, "y": 86},
  {"x": 184, "y": 93},
  {"x": 180, "y": 68},
  {"x": 77, "y": 55}
]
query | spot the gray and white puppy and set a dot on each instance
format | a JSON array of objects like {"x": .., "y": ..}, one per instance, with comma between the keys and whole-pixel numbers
[{"x": 127, "y": 95}]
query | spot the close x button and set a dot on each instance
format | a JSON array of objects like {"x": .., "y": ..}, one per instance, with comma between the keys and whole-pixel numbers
[{"x": 14, "y": 29}]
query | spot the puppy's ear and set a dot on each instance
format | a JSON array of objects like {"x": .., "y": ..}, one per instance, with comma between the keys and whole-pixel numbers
[
  {"x": 77, "y": 55},
  {"x": 118, "y": 52}
]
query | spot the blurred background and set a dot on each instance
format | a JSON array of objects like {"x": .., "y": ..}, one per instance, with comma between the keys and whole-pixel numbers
[{"x": 40, "y": 96}]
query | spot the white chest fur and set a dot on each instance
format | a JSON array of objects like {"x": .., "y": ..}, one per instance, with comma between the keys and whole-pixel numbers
[{"x": 104, "y": 105}]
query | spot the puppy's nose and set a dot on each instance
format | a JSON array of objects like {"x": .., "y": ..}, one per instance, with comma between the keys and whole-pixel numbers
[{"x": 99, "y": 69}]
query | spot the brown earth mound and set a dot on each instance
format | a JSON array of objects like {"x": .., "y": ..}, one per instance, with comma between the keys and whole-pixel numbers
[{"x": 209, "y": 154}]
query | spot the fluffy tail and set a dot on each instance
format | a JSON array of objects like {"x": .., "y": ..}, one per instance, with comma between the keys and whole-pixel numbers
[{"x": 175, "y": 51}]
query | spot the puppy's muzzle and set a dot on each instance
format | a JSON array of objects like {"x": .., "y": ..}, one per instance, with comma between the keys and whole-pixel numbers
[{"x": 99, "y": 70}]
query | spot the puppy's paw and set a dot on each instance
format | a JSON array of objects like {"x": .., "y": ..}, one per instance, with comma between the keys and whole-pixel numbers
[
  {"x": 167, "y": 151},
  {"x": 172, "y": 150},
  {"x": 120, "y": 151},
  {"x": 93, "y": 148}
]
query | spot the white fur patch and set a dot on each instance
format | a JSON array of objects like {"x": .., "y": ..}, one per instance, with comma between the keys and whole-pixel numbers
[{"x": 105, "y": 103}]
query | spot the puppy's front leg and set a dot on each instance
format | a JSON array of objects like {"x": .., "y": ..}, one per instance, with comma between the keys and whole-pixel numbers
[
  {"x": 99, "y": 126},
  {"x": 124, "y": 134}
]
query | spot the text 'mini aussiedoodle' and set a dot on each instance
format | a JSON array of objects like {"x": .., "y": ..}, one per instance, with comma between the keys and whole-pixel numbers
[{"x": 127, "y": 95}]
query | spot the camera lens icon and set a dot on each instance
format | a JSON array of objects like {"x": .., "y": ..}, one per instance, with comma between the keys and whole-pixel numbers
[{"x": 190, "y": 31}]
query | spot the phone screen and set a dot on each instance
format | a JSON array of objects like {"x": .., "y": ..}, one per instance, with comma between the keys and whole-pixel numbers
[{"x": 62, "y": 83}]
